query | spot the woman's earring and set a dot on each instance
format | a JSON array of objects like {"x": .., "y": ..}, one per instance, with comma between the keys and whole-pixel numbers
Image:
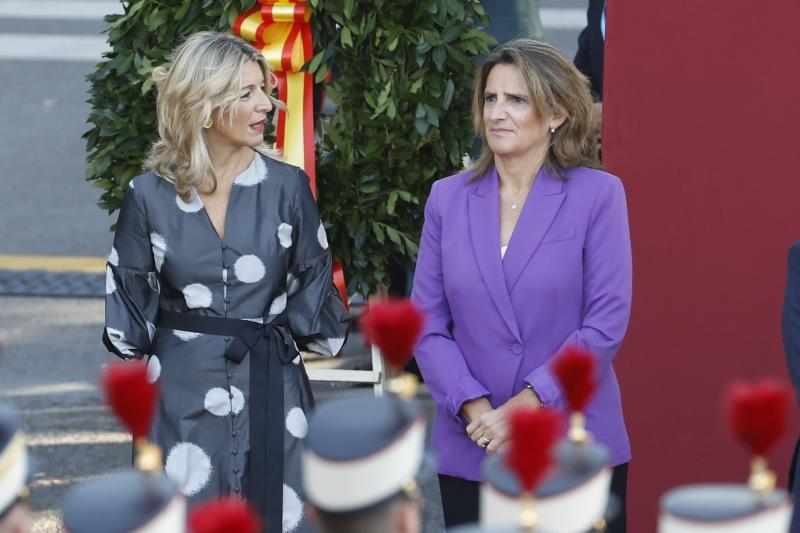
[
  {"x": 552, "y": 129},
  {"x": 208, "y": 123}
]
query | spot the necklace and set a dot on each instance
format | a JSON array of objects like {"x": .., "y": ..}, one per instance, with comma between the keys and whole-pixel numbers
[
  {"x": 514, "y": 200},
  {"x": 513, "y": 204}
]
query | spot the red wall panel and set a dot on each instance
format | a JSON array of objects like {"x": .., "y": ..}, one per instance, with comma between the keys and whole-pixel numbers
[{"x": 702, "y": 112}]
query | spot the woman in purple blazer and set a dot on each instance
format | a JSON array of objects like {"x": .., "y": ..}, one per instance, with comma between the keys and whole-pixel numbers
[{"x": 523, "y": 254}]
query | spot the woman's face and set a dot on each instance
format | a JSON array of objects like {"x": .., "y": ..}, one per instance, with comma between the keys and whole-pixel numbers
[
  {"x": 513, "y": 126},
  {"x": 245, "y": 126}
]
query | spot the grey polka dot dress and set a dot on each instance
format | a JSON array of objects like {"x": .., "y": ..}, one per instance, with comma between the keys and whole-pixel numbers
[{"x": 273, "y": 262}]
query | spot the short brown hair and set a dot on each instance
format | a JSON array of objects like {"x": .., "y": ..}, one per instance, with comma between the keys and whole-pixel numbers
[{"x": 555, "y": 87}]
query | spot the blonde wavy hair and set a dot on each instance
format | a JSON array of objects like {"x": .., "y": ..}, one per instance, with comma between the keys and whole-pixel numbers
[
  {"x": 556, "y": 88},
  {"x": 202, "y": 82}
]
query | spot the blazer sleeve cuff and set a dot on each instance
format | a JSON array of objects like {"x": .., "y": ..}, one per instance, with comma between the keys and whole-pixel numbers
[
  {"x": 546, "y": 387},
  {"x": 468, "y": 389}
]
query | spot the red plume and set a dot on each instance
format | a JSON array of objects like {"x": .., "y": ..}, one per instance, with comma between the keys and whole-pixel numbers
[
  {"x": 224, "y": 515},
  {"x": 575, "y": 369},
  {"x": 131, "y": 396},
  {"x": 393, "y": 325},
  {"x": 533, "y": 434},
  {"x": 757, "y": 414}
]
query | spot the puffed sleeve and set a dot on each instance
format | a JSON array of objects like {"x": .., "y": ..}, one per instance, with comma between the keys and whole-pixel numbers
[
  {"x": 317, "y": 317},
  {"x": 446, "y": 373},
  {"x": 607, "y": 286},
  {"x": 132, "y": 289}
]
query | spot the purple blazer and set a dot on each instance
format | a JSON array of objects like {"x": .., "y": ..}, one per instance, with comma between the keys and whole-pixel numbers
[{"x": 494, "y": 324}]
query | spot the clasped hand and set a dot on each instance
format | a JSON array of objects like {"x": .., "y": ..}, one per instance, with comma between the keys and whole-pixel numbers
[{"x": 488, "y": 423}]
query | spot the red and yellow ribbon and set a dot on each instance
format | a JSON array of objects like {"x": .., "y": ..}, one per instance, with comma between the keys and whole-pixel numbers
[{"x": 281, "y": 31}]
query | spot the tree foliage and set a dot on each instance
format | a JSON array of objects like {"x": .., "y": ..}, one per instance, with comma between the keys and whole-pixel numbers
[
  {"x": 402, "y": 81},
  {"x": 402, "y": 85}
]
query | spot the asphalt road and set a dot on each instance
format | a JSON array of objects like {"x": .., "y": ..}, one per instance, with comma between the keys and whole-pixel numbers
[{"x": 53, "y": 354}]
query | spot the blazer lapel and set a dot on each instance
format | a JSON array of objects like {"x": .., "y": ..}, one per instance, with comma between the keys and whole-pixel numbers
[
  {"x": 537, "y": 214},
  {"x": 484, "y": 227}
]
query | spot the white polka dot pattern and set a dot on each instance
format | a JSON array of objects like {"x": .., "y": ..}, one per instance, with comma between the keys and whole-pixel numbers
[
  {"x": 254, "y": 174},
  {"x": 151, "y": 330},
  {"x": 237, "y": 402},
  {"x": 185, "y": 336},
  {"x": 113, "y": 257},
  {"x": 278, "y": 305},
  {"x": 322, "y": 237},
  {"x": 153, "y": 369},
  {"x": 218, "y": 402},
  {"x": 296, "y": 423},
  {"x": 115, "y": 334},
  {"x": 117, "y": 338},
  {"x": 292, "y": 509},
  {"x": 335, "y": 344},
  {"x": 111, "y": 286},
  {"x": 285, "y": 235},
  {"x": 330, "y": 346},
  {"x": 249, "y": 269},
  {"x": 197, "y": 296},
  {"x": 159, "y": 244},
  {"x": 292, "y": 284},
  {"x": 193, "y": 205},
  {"x": 189, "y": 467}
]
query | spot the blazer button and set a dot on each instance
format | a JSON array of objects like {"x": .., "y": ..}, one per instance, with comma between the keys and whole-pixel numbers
[{"x": 516, "y": 348}]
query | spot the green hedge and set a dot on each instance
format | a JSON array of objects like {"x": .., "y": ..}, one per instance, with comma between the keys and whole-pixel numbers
[{"x": 402, "y": 83}]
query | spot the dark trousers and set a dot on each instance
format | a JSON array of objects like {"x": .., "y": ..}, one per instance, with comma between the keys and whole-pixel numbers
[
  {"x": 794, "y": 489},
  {"x": 460, "y": 500}
]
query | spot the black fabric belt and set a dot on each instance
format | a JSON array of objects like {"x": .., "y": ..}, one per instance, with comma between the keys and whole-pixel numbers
[{"x": 271, "y": 347}]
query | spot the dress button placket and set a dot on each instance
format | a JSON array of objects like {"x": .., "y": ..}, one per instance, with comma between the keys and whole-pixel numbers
[
  {"x": 234, "y": 433},
  {"x": 226, "y": 266},
  {"x": 225, "y": 284}
]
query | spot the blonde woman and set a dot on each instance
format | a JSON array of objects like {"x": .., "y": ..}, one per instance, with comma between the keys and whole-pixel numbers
[{"x": 220, "y": 269}]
